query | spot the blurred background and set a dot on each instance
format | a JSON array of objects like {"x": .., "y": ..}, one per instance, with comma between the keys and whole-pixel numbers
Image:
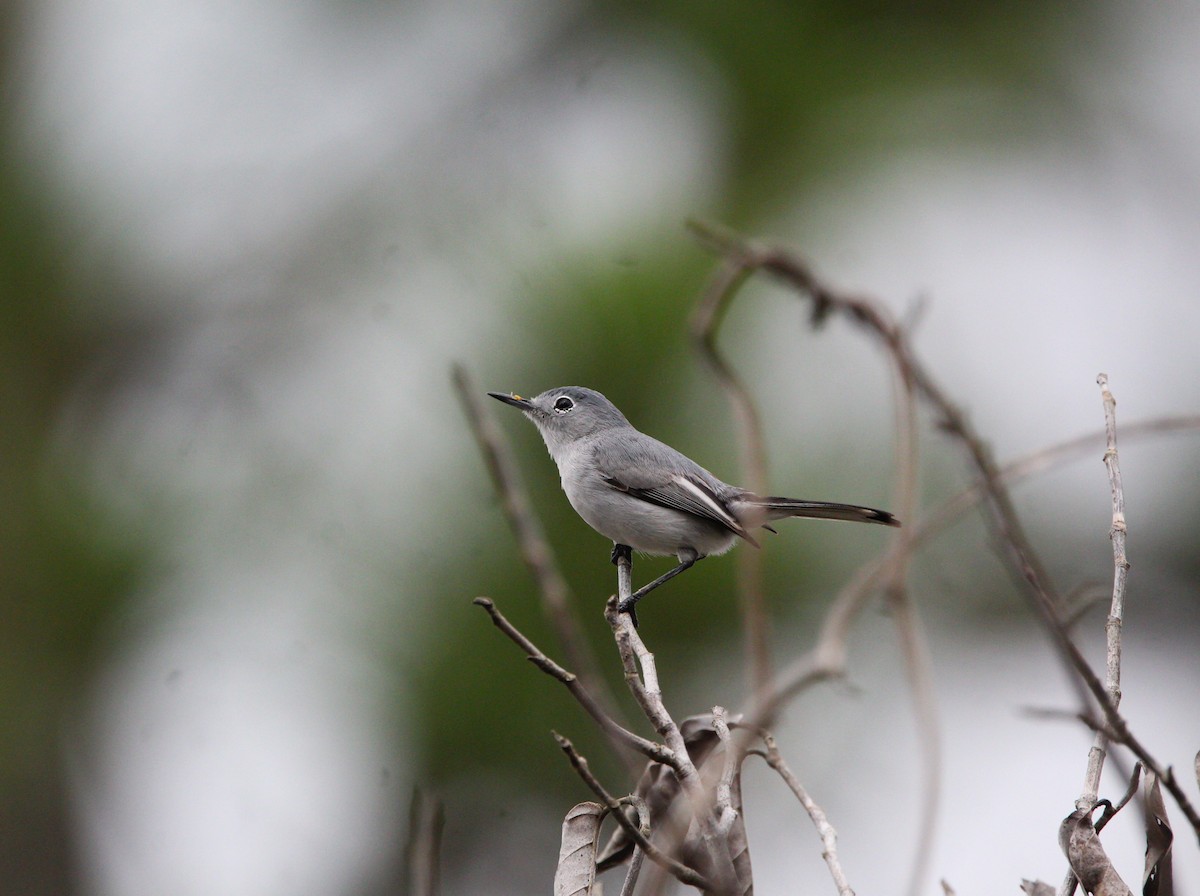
[{"x": 243, "y": 520}]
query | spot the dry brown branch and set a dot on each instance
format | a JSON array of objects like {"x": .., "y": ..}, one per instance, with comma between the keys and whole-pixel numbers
[
  {"x": 914, "y": 648},
  {"x": 1111, "y": 810},
  {"x": 531, "y": 539},
  {"x": 534, "y": 654},
  {"x": 1043, "y": 460},
  {"x": 826, "y": 301},
  {"x": 827, "y": 659},
  {"x": 705, "y": 324},
  {"x": 682, "y": 872},
  {"x": 423, "y": 846},
  {"x": 646, "y": 692},
  {"x": 824, "y": 829},
  {"x": 1023, "y": 562}
]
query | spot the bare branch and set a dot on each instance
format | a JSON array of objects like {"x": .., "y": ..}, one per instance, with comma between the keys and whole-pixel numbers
[
  {"x": 531, "y": 539},
  {"x": 914, "y": 648},
  {"x": 1023, "y": 562},
  {"x": 1110, "y": 810},
  {"x": 1099, "y": 748},
  {"x": 635, "y": 861},
  {"x": 705, "y": 324},
  {"x": 682, "y": 872},
  {"x": 646, "y": 691},
  {"x": 826, "y": 301},
  {"x": 1112, "y": 627},
  {"x": 824, "y": 829},
  {"x": 827, "y": 659},
  {"x": 1112, "y": 682},
  {"x": 423, "y": 847},
  {"x": 648, "y": 748},
  {"x": 1117, "y": 535},
  {"x": 1041, "y": 461}
]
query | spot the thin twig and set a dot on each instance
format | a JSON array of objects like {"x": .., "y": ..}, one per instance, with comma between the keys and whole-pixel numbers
[
  {"x": 531, "y": 539},
  {"x": 1112, "y": 626},
  {"x": 682, "y": 872},
  {"x": 635, "y": 859},
  {"x": 1112, "y": 679},
  {"x": 705, "y": 324},
  {"x": 1041, "y": 461},
  {"x": 905, "y": 618},
  {"x": 824, "y": 829},
  {"x": 827, "y": 659},
  {"x": 578, "y": 690},
  {"x": 423, "y": 847},
  {"x": 1111, "y": 811},
  {"x": 1116, "y": 612}
]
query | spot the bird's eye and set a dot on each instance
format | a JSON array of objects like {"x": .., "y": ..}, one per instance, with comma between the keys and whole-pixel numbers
[{"x": 563, "y": 404}]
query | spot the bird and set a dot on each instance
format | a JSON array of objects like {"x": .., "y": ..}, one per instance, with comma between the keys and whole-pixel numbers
[{"x": 645, "y": 496}]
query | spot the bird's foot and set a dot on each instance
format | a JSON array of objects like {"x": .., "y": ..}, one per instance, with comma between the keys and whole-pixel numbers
[
  {"x": 629, "y": 605},
  {"x": 619, "y": 551}
]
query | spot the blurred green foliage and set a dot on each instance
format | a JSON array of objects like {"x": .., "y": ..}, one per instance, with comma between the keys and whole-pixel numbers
[{"x": 65, "y": 566}]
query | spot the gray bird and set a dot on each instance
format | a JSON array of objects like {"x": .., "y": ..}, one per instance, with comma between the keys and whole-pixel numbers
[{"x": 647, "y": 496}]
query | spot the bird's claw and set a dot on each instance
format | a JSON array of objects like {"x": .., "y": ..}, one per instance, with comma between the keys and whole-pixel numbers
[{"x": 629, "y": 606}]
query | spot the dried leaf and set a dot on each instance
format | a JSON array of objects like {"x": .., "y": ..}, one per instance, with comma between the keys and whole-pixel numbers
[
  {"x": 1037, "y": 888},
  {"x": 1157, "y": 879},
  {"x": 1079, "y": 842},
  {"x": 576, "y": 872},
  {"x": 659, "y": 787}
]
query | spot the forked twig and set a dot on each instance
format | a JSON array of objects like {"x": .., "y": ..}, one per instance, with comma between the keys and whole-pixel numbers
[
  {"x": 578, "y": 690},
  {"x": 736, "y": 266},
  {"x": 1022, "y": 560},
  {"x": 682, "y": 872}
]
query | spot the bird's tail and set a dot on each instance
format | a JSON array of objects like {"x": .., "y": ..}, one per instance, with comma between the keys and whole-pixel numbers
[{"x": 781, "y": 508}]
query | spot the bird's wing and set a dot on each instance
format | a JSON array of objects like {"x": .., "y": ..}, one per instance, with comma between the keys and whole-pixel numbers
[{"x": 647, "y": 469}]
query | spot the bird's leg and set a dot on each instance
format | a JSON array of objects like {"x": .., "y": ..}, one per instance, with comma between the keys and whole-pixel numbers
[
  {"x": 622, "y": 558},
  {"x": 627, "y": 605}
]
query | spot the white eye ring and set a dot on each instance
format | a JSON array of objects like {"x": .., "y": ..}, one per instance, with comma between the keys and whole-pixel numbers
[{"x": 563, "y": 405}]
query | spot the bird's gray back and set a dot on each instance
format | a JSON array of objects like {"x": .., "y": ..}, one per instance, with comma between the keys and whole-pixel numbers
[{"x": 641, "y": 461}]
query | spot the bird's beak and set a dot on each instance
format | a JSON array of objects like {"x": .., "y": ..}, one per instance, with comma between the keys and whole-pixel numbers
[{"x": 515, "y": 400}]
